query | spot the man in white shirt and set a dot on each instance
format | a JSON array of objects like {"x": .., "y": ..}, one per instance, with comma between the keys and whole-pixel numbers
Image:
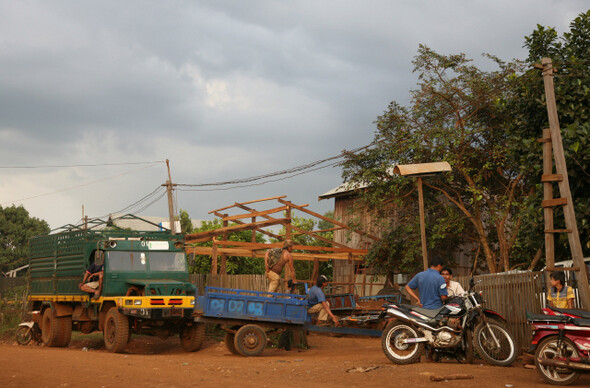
[{"x": 453, "y": 288}]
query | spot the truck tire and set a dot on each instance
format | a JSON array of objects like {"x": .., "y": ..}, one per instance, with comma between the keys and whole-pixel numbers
[
  {"x": 250, "y": 340},
  {"x": 64, "y": 330},
  {"x": 229, "y": 342},
  {"x": 192, "y": 337},
  {"x": 50, "y": 329},
  {"x": 116, "y": 331}
]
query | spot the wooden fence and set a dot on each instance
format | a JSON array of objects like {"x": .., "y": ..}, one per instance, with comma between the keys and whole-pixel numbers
[
  {"x": 512, "y": 295},
  {"x": 243, "y": 282}
]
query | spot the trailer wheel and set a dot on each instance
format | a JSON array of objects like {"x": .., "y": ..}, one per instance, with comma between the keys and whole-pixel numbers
[
  {"x": 116, "y": 331},
  {"x": 229, "y": 342},
  {"x": 250, "y": 340},
  {"x": 192, "y": 337},
  {"x": 50, "y": 329}
]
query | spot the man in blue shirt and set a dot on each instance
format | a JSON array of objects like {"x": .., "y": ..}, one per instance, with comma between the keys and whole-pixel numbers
[
  {"x": 317, "y": 304},
  {"x": 431, "y": 285}
]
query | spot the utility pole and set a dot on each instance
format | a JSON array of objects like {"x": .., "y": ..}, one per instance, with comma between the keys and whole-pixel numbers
[
  {"x": 169, "y": 185},
  {"x": 564, "y": 189}
]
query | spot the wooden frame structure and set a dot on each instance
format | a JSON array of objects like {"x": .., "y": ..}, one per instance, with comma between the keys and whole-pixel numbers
[{"x": 261, "y": 221}]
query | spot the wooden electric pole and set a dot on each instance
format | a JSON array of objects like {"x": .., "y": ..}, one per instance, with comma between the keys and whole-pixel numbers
[
  {"x": 169, "y": 186},
  {"x": 564, "y": 189}
]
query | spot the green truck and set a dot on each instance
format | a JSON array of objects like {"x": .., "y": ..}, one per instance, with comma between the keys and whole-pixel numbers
[{"x": 145, "y": 287}]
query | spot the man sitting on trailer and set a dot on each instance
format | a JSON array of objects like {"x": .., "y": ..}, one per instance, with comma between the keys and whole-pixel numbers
[
  {"x": 317, "y": 304},
  {"x": 95, "y": 270},
  {"x": 275, "y": 260}
]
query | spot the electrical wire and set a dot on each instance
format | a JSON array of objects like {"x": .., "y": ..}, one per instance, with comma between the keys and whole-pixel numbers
[
  {"x": 81, "y": 165},
  {"x": 77, "y": 186}
]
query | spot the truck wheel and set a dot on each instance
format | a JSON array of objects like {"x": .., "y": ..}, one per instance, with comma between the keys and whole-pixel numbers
[
  {"x": 116, "y": 331},
  {"x": 192, "y": 337},
  {"x": 50, "y": 329},
  {"x": 64, "y": 330},
  {"x": 229, "y": 342},
  {"x": 250, "y": 340}
]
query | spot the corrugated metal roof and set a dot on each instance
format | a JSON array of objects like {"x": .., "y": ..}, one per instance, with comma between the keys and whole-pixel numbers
[{"x": 343, "y": 189}]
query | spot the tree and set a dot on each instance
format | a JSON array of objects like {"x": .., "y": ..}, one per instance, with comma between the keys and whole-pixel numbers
[
  {"x": 16, "y": 228},
  {"x": 457, "y": 115},
  {"x": 570, "y": 54},
  {"x": 186, "y": 225},
  {"x": 235, "y": 265}
]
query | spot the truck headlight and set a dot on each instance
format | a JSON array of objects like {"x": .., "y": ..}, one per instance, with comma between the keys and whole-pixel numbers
[{"x": 137, "y": 302}]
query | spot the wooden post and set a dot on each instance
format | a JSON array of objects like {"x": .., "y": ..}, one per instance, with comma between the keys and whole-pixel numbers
[
  {"x": 214, "y": 257},
  {"x": 170, "y": 199},
  {"x": 547, "y": 195},
  {"x": 422, "y": 225},
  {"x": 223, "y": 265},
  {"x": 564, "y": 186}
]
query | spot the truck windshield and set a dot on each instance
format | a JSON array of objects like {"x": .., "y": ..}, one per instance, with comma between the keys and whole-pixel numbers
[
  {"x": 167, "y": 261},
  {"x": 126, "y": 261},
  {"x": 138, "y": 261}
]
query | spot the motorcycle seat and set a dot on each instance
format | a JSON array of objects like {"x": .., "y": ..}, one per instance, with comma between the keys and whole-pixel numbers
[
  {"x": 430, "y": 313},
  {"x": 547, "y": 318},
  {"x": 581, "y": 322},
  {"x": 577, "y": 313}
]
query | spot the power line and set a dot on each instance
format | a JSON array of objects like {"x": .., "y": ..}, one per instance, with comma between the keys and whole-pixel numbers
[{"x": 81, "y": 165}]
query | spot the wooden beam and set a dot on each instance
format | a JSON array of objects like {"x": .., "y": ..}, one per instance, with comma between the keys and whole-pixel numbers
[
  {"x": 246, "y": 203},
  {"x": 234, "y": 228},
  {"x": 241, "y": 252},
  {"x": 255, "y": 214},
  {"x": 329, "y": 220},
  {"x": 551, "y": 178},
  {"x": 554, "y": 202}
]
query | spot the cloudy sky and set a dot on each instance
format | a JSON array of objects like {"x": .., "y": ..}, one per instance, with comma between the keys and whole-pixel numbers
[{"x": 225, "y": 90}]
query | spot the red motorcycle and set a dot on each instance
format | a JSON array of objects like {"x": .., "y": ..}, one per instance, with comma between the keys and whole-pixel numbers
[
  {"x": 549, "y": 310},
  {"x": 561, "y": 344}
]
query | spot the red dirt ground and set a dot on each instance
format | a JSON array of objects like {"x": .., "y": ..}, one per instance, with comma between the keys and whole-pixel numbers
[{"x": 330, "y": 362}]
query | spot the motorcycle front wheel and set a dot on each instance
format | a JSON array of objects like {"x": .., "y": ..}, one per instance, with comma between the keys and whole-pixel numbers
[
  {"x": 395, "y": 347},
  {"x": 24, "y": 335},
  {"x": 494, "y": 343},
  {"x": 548, "y": 349}
]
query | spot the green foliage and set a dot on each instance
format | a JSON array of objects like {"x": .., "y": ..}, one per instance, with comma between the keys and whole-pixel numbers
[
  {"x": 235, "y": 265},
  {"x": 186, "y": 225},
  {"x": 16, "y": 228},
  {"x": 570, "y": 55},
  {"x": 456, "y": 115}
]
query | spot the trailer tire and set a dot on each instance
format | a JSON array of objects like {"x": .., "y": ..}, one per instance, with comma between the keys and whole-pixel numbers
[
  {"x": 64, "y": 330},
  {"x": 192, "y": 337},
  {"x": 229, "y": 342},
  {"x": 116, "y": 331},
  {"x": 250, "y": 340},
  {"x": 50, "y": 329}
]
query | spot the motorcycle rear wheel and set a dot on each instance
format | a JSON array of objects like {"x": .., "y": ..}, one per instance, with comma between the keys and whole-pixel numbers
[
  {"x": 393, "y": 346},
  {"x": 551, "y": 374},
  {"x": 486, "y": 346}
]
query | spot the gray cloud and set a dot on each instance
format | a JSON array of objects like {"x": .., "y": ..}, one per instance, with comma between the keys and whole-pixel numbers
[{"x": 224, "y": 89}]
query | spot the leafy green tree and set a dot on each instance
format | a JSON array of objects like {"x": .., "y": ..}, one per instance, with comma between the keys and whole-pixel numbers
[
  {"x": 456, "y": 115},
  {"x": 186, "y": 225},
  {"x": 16, "y": 228},
  {"x": 570, "y": 55}
]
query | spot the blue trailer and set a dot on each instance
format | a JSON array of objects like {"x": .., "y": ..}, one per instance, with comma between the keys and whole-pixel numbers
[{"x": 247, "y": 316}]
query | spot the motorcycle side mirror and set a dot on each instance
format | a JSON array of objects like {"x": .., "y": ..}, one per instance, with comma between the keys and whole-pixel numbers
[{"x": 471, "y": 283}]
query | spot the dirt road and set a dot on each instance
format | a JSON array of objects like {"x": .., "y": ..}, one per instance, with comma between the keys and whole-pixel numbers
[{"x": 350, "y": 362}]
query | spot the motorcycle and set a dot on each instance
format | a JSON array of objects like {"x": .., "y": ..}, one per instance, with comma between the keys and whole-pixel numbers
[
  {"x": 453, "y": 330},
  {"x": 28, "y": 331},
  {"x": 561, "y": 344},
  {"x": 550, "y": 310}
]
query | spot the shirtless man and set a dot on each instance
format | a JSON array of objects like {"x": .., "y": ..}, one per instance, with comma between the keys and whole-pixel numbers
[{"x": 273, "y": 271}]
